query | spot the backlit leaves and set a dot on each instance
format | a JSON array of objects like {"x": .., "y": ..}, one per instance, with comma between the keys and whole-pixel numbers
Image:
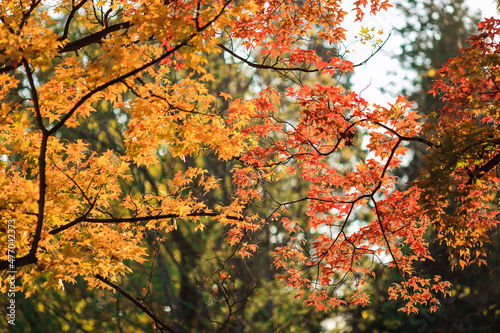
[{"x": 78, "y": 207}]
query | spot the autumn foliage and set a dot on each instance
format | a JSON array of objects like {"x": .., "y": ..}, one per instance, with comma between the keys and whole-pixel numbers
[{"x": 146, "y": 60}]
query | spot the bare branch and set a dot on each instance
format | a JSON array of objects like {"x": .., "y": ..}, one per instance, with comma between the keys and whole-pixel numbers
[
  {"x": 94, "y": 38},
  {"x": 138, "y": 219},
  {"x": 34, "y": 97},
  {"x": 158, "y": 322},
  {"x": 407, "y": 138}
]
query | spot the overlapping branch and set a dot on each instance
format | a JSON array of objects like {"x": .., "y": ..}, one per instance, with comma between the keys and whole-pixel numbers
[{"x": 31, "y": 258}]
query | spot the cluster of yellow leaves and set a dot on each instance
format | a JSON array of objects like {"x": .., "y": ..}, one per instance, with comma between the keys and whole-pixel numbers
[
  {"x": 367, "y": 34},
  {"x": 181, "y": 119},
  {"x": 75, "y": 67},
  {"x": 32, "y": 38}
]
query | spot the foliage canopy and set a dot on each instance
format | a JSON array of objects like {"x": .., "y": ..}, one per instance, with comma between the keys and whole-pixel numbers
[{"x": 145, "y": 64}]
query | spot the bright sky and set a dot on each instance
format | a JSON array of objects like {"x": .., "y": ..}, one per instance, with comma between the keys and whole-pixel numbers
[{"x": 376, "y": 70}]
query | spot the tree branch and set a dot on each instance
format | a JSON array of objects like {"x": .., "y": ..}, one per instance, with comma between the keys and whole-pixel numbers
[
  {"x": 31, "y": 256},
  {"x": 407, "y": 138},
  {"x": 262, "y": 66},
  {"x": 478, "y": 173},
  {"x": 94, "y": 38},
  {"x": 70, "y": 18},
  {"x": 158, "y": 322},
  {"x": 138, "y": 219},
  {"x": 299, "y": 69},
  {"x": 34, "y": 96},
  {"x": 26, "y": 15}
]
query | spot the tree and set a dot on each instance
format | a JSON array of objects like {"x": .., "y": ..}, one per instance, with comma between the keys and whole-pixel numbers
[
  {"x": 72, "y": 210},
  {"x": 433, "y": 34}
]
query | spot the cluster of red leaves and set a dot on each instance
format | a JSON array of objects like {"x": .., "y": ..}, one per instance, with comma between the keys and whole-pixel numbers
[{"x": 454, "y": 193}]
